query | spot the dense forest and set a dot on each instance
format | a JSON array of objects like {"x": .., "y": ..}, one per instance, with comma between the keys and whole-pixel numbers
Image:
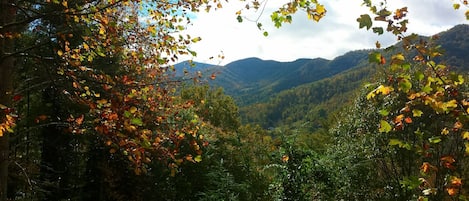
[{"x": 91, "y": 108}]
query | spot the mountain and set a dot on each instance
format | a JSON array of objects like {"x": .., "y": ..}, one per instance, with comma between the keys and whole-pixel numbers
[
  {"x": 191, "y": 67},
  {"x": 311, "y": 103},
  {"x": 306, "y": 91},
  {"x": 253, "y": 80}
]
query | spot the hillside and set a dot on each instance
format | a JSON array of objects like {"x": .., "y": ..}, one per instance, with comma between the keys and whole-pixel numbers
[
  {"x": 311, "y": 103},
  {"x": 253, "y": 80},
  {"x": 308, "y": 90}
]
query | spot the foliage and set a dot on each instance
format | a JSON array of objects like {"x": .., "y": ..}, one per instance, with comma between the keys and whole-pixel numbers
[{"x": 423, "y": 111}]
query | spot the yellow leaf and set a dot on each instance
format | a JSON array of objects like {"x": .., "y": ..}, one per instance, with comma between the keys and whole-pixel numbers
[
  {"x": 86, "y": 46},
  {"x": 445, "y": 131},
  {"x": 465, "y": 135},
  {"x": 399, "y": 56},
  {"x": 198, "y": 158},
  {"x": 133, "y": 109},
  {"x": 102, "y": 30},
  {"x": 320, "y": 9},
  {"x": 60, "y": 53}
]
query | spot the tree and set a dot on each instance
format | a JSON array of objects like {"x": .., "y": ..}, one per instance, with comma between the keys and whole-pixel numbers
[{"x": 137, "y": 110}]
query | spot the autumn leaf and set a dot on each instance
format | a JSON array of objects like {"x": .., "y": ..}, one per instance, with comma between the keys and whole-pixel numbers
[
  {"x": 417, "y": 113},
  {"x": 451, "y": 191},
  {"x": 384, "y": 127},
  {"x": 198, "y": 158},
  {"x": 465, "y": 135}
]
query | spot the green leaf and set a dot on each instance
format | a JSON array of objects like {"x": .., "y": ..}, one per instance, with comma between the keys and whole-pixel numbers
[
  {"x": 266, "y": 33},
  {"x": 419, "y": 75},
  {"x": 196, "y": 39},
  {"x": 378, "y": 30},
  {"x": 456, "y": 6},
  {"x": 427, "y": 89},
  {"x": 374, "y": 57},
  {"x": 417, "y": 113},
  {"x": 239, "y": 18},
  {"x": 384, "y": 127},
  {"x": 127, "y": 114},
  {"x": 395, "y": 142},
  {"x": 405, "y": 85},
  {"x": 364, "y": 21},
  {"x": 434, "y": 139},
  {"x": 384, "y": 112},
  {"x": 136, "y": 121}
]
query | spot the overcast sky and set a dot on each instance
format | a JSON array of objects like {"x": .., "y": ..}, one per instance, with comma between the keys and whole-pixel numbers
[{"x": 334, "y": 35}]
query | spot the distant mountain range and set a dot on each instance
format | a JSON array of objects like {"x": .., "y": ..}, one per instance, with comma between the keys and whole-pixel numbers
[{"x": 307, "y": 90}]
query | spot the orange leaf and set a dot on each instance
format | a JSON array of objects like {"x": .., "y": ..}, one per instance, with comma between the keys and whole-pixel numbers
[
  {"x": 408, "y": 120},
  {"x": 285, "y": 158},
  {"x": 383, "y": 60},
  {"x": 452, "y": 191},
  {"x": 456, "y": 181}
]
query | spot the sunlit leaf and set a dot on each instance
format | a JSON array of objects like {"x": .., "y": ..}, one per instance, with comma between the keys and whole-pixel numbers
[
  {"x": 136, "y": 121},
  {"x": 434, "y": 139},
  {"x": 384, "y": 112},
  {"x": 465, "y": 135},
  {"x": 198, "y": 158},
  {"x": 417, "y": 113},
  {"x": 384, "y": 127}
]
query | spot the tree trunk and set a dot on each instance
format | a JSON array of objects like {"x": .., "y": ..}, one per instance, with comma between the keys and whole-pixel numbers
[{"x": 7, "y": 15}]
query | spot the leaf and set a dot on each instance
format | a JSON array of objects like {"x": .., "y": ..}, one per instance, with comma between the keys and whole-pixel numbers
[
  {"x": 465, "y": 135},
  {"x": 60, "y": 53},
  {"x": 456, "y": 6},
  {"x": 266, "y": 33},
  {"x": 394, "y": 142},
  {"x": 434, "y": 139},
  {"x": 374, "y": 57},
  {"x": 408, "y": 120},
  {"x": 365, "y": 21},
  {"x": 384, "y": 127},
  {"x": 239, "y": 18},
  {"x": 399, "y": 57},
  {"x": 384, "y": 112},
  {"x": 198, "y": 158},
  {"x": 378, "y": 30},
  {"x": 378, "y": 44},
  {"x": 417, "y": 113},
  {"x": 136, "y": 121},
  {"x": 320, "y": 9},
  {"x": 196, "y": 39},
  {"x": 405, "y": 85}
]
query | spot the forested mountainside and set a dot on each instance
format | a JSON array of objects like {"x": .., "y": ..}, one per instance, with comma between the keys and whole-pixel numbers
[
  {"x": 307, "y": 90},
  {"x": 254, "y": 80},
  {"x": 310, "y": 103}
]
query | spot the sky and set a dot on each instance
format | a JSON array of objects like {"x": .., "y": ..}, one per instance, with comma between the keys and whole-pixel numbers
[{"x": 336, "y": 34}]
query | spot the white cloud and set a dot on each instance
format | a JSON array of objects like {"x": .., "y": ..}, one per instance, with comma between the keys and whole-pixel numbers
[{"x": 334, "y": 35}]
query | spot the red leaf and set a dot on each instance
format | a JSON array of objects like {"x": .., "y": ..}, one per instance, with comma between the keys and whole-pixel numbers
[{"x": 17, "y": 97}]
